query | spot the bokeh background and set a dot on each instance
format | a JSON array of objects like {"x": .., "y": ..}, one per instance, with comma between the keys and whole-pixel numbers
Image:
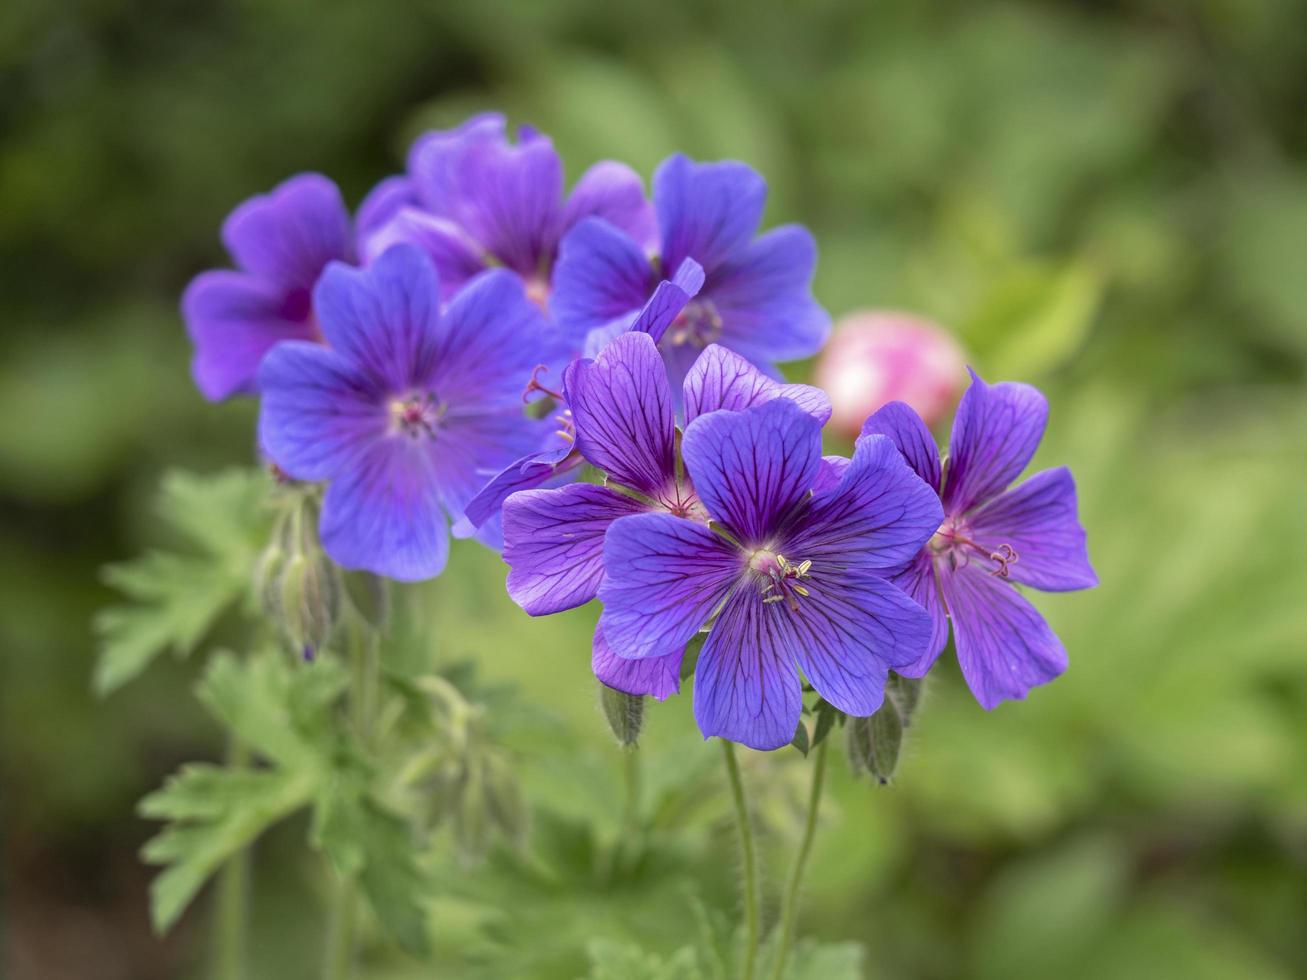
[{"x": 1108, "y": 199}]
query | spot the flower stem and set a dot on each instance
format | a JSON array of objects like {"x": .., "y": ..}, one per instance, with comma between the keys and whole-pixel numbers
[
  {"x": 751, "y": 898},
  {"x": 231, "y": 916},
  {"x": 365, "y": 663},
  {"x": 790, "y": 902}
]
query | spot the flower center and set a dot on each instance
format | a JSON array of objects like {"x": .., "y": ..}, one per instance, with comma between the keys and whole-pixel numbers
[
  {"x": 780, "y": 578},
  {"x": 953, "y": 543},
  {"x": 699, "y": 325},
  {"x": 415, "y": 415},
  {"x": 537, "y": 291}
]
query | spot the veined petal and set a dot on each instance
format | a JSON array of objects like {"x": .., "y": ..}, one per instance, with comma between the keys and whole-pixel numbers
[
  {"x": 720, "y": 378},
  {"x": 528, "y": 472},
  {"x": 382, "y": 514},
  {"x": 664, "y": 577},
  {"x": 706, "y": 211},
  {"x": 919, "y": 582},
  {"x": 457, "y": 258},
  {"x": 436, "y": 162},
  {"x": 752, "y": 468},
  {"x": 383, "y": 317},
  {"x": 1038, "y": 521},
  {"x": 289, "y": 235},
  {"x": 1004, "y": 646},
  {"x": 847, "y": 633},
  {"x": 318, "y": 414},
  {"x": 470, "y": 448},
  {"x": 614, "y": 192},
  {"x": 554, "y": 544},
  {"x": 488, "y": 341},
  {"x": 996, "y": 431},
  {"x": 908, "y": 432},
  {"x": 764, "y": 297},
  {"x": 233, "y": 320},
  {"x": 655, "y": 677},
  {"x": 876, "y": 519},
  {"x": 669, "y": 299},
  {"x": 746, "y": 686},
  {"x": 622, "y": 408},
  {"x": 830, "y": 473},
  {"x": 601, "y": 275}
]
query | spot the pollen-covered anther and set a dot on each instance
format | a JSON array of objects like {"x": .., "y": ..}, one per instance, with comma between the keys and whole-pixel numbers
[
  {"x": 699, "y": 325},
  {"x": 415, "y": 415},
  {"x": 534, "y": 385},
  {"x": 566, "y": 425},
  {"x": 781, "y": 578},
  {"x": 1005, "y": 555}
]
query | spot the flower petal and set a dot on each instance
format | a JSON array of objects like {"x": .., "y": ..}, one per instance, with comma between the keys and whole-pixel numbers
[
  {"x": 877, "y": 518},
  {"x": 488, "y": 341},
  {"x": 1004, "y": 645},
  {"x": 601, "y": 275},
  {"x": 918, "y": 581},
  {"x": 664, "y": 577},
  {"x": 706, "y": 211},
  {"x": 1038, "y": 521},
  {"x": 554, "y": 544},
  {"x": 908, "y": 432},
  {"x": 622, "y": 408},
  {"x": 764, "y": 298},
  {"x": 471, "y": 448},
  {"x": 847, "y": 633},
  {"x": 752, "y": 468},
  {"x": 614, "y": 192},
  {"x": 528, "y": 472},
  {"x": 457, "y": 258},
  {"x": 996, "y": 431},
  {"x": 382, "y": 514},
  {"x": 289, "y": 235},
  {"x": 746, "y": 687},
  {"x": 383, "y": 317},
  {"x": 668, "y": 299},
  {"x": 655, "y": 677},
  {"x": 382, "y": 203},
  {"x": 233, "y": 320},
  {"x": 720, "y": 378},
  {"x": 830, "y": 473},
  {"x": 318, "y": 414}
]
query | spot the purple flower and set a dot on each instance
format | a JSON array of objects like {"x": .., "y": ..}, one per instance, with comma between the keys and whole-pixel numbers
[
  {"x": 472, "y": 199},
  {"x": 992, "y": 538},
  {"x": 621, "y": 405},
  {"x": 281, "y": 242},
  {"x": 405, "y": 406},
  {"x": 790, "y": 576},
  {"x": 756, "y": 300}
]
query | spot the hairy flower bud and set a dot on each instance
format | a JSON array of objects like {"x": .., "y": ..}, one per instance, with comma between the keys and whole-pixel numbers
[
  {"x": 298, "y": 586},
  {"x": 906, "y": 693},
  {"x": 624, "y": 713},
  {"x": 874, "y": 743},
  {"x": 877, "y": 357}
]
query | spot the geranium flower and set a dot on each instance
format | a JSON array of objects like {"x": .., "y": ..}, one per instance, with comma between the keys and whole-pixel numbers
[
  {"x": 789, "y": 578},
  {"x": 621, "y": 406},
  {"x": 473, "y": 199},
  {"x": 756, "y": 299},
  {"x": 991, "y": 539},
  {"x": 404, "y": 408},
  {"x": 280, "y": 242}
]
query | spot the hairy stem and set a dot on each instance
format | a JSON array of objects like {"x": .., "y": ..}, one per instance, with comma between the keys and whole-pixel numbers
[
  {"x": 751, "y": 897},
  {"x": 790, "y": 901},
  {"x": 231, "y": 908}
]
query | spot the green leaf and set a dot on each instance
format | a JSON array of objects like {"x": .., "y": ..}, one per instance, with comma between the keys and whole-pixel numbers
[
  {"x": 175, "y": 598},
  {"x": 215, "y": 813},
  {"x": 625, "y": 961},
  {"x": 800, "y": 740}
]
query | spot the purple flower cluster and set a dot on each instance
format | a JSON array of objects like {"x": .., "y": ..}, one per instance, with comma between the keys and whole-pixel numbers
[{"x": 475, "y": 341}]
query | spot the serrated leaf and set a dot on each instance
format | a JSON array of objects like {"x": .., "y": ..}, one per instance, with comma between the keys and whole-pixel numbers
[
  {"x": 177, "y": 597},
  {"x": 626, "y": 961},
  {"x": 215, "y": 813},
  {"x": 800, "y": 740}
]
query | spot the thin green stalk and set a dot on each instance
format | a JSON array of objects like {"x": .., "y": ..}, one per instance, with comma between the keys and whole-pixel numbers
[
  {"x": 790, "y": 902},
  {"x": 231, "y": 912},
  {"x": 751, "y": 898},
  {"x": 365, "y": 689}
]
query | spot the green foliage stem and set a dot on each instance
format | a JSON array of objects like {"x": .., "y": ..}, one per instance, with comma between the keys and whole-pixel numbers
[
  {"x": 752, "y": 899},
  {"x": 790, "y": 903}
]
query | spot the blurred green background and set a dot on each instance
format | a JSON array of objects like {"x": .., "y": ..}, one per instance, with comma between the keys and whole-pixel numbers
[{"x": 1108, "y": 199}]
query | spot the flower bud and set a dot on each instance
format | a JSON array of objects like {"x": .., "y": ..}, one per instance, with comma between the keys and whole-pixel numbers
[
  {"x": 624, "y": 713},
  {"x": 906, "y": 692},
  {"x": 298, "y": 586},
  {"x": 874, "y": 743},
  {"x": 875, "y": 357}
]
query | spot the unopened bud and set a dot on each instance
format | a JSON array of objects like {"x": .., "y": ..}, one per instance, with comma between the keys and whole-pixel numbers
[
  {"x": 504, "y": 800},
  {"x": 310, "y": 602},
  {"x": 906, "y": 692},
  {"x": 874, "y": 743},
  {"x": 624, "y": 713}
]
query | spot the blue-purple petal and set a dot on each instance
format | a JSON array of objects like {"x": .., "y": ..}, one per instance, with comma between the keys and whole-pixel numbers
[
  {"x": 995, "y": 433},
  {"x": 909, "y": 433},
  {"x": 601, "y": 275},
  {"x": 655, "y": 677},
  {"x": 721, "y": 379},
  {"x": 554, "y": 544},
  {"x": 286, "y": 237},
  {"x": 919, "y": 582},
  {"x": 614, "y": 192},
  {"x": 381, "y": 204},
  {"x": 706, "y": 211},
  {"x": 457, "y": 258},
  {"x": 753, "y": 468}
]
